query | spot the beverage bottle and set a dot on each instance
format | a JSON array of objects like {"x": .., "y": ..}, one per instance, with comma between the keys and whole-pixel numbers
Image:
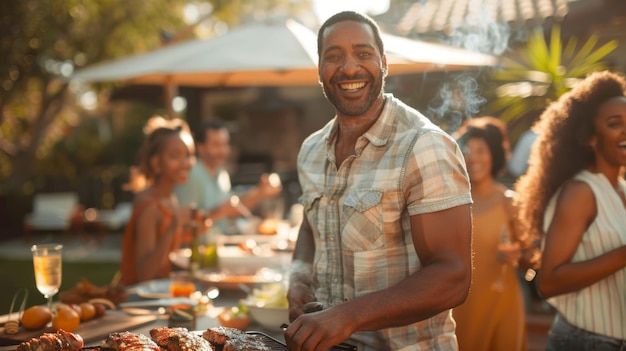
[
  {"x": 209, "y": 254},
  {"x": 194, "y": 259}
]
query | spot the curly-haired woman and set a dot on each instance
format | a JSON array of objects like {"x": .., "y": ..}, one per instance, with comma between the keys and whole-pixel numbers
[{"x": 574, "y": 193}]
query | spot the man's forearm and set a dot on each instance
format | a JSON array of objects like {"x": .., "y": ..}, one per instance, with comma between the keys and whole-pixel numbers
[{"x": 252, "y": 198}]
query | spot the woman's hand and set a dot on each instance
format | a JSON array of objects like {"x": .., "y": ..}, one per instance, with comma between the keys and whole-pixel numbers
[
  {"x": 531, "y": 257},
  {"x": 509, "y": 253}
]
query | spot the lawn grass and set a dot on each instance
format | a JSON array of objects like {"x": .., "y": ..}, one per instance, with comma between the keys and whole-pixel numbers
[{"x": 16, "y": 274}]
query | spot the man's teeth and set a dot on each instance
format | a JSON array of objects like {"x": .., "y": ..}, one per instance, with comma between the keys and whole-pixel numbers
[
  {"x": 352, "y": 86},
  {"x": 622, "y": 144}
]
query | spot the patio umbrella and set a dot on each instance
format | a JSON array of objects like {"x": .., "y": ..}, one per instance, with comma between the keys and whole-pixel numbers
[{"x": 270, "y": 53}]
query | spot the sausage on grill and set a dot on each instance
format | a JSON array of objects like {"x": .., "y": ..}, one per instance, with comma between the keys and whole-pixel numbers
[{"x": 59, "y": 341}]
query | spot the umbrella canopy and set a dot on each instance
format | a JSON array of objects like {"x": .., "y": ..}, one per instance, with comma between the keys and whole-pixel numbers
[{"x": 269, "y": 53}]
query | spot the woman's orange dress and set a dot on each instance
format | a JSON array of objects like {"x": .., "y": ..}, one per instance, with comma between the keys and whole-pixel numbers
[
  {"x": 129, "y": 244},
  {"x": 491, "y": 319}
]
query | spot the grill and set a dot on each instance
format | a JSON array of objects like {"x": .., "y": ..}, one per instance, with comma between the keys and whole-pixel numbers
[
  {"x": 268, "y": 341},
  {"x": 276, "y": 345}
]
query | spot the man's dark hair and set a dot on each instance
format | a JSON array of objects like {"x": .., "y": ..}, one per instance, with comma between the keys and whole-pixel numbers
[
  {"x": 350, "y": 16},
  {"x": 199, "y": 135}
]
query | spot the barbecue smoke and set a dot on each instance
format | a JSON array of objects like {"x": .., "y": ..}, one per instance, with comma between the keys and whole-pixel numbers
[
  {"x": 459, "y": 96},
  {"x": 457, "y": 99}
]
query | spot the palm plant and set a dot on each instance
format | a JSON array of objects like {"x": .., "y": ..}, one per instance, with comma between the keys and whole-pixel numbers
[{"x": 541, "y": 73}]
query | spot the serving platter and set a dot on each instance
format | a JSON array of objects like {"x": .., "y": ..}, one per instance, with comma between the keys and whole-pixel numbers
[
  {"x": 153, "y": 289},
  {"x": 235, "y": 259},
  {"x": 92, "y": 330},
  {"x": 232, "y": 281},
  {"x": 236, "y": 267},
  {"x": 157, "y": 289}
]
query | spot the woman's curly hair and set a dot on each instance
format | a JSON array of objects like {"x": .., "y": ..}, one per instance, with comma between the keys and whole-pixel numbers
[
  {"x": 493, "y": 132},
  {"x": 562, "y": 148}
]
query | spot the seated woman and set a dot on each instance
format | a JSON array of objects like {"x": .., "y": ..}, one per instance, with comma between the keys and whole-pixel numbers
[{"x": 155, "y": 227}]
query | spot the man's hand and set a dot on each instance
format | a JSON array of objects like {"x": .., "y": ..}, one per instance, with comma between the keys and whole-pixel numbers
[
  {"x": 269, "y": 185},
  {"x": 319, "y": 330}
]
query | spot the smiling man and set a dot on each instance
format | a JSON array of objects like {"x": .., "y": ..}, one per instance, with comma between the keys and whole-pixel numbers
[{"x": 386, "y": 239}]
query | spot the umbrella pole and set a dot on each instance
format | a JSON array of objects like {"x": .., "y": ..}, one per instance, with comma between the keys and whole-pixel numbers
[{"x": 170, "y": 91}]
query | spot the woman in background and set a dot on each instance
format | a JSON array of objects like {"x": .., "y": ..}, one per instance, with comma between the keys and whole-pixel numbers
[
  {"x": 574, "y": 193},
  {"x": 493, "y": 316},
  {"x": 155, "y": 227}
]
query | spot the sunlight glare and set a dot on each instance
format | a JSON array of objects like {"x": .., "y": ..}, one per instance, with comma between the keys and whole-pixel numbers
[{"x": 326, "y": 8}]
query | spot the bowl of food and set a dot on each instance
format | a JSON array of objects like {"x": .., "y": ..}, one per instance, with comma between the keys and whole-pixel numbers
[
  {"x": 270, "y": 318},
  {"x": 267, "y": 305},
  {"x": 234, "y": 317}
]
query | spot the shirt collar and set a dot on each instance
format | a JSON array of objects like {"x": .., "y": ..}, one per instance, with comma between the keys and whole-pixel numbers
[{"x": 380, "y": 132}]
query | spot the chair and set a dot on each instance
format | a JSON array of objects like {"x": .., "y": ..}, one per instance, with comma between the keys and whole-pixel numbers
[
  {"x": 51, "y": 211},
  {"x": 100, "y": 222},
  {"x": 117, "y": 218}
]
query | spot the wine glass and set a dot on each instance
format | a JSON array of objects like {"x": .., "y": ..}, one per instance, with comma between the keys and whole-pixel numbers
[{"x": 47, "y": 264}]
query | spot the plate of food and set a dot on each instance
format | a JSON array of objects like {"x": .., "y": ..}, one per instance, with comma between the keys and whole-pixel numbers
[
  {"x": 153, "y": 289},
  {"x": 232, "y": 280},
  {"x": 244, "y": 253}
]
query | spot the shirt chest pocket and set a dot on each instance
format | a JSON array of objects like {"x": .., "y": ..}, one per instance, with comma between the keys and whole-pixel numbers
[{"x": 362, "y": 220}]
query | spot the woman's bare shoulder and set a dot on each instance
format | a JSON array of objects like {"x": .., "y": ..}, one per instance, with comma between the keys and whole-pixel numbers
[
  {"x": 144, "y": 199},
  {"x": 577, "y": 192}
]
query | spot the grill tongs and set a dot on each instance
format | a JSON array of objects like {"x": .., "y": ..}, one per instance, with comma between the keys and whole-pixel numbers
[{"x": 315, "y": 306}]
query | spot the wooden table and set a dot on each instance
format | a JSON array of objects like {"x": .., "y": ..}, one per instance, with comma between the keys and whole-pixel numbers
[
  {"x": 96, "y": 330},
  {"x": 227, "y": 298}
]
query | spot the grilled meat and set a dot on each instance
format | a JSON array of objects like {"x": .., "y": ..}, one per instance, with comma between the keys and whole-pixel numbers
[
  {"x": 59, "y": 341},
  {"x": 231, "y": 339},
  {"x": 179, "y": 339},
  {"x": 126, "y": 341}
]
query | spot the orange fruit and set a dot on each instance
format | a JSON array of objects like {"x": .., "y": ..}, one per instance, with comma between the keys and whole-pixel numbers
[
  {"x": 268, "y": 226},
  {"x": 65, "y": 318},
  {"x": 75, "y": 307},
  {"x": 87, "y": 311},
  {"x": 36, "y": 317},
  {"x": 100, "y": 309}
]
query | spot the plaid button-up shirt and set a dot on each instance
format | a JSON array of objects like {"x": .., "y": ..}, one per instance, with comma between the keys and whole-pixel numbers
[{"x": 402, "y": 166}]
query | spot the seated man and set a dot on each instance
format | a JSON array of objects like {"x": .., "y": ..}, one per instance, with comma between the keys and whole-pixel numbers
[{"x": 209, "y": 187}]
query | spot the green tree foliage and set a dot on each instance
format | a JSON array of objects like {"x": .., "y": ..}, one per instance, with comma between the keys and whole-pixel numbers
[
  {"x": 41, "y": 43},
  {"x": 528, "y": 80}
]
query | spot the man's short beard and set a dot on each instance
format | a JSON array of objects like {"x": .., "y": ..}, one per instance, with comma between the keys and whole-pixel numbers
[{"x": 372, "y": 95}]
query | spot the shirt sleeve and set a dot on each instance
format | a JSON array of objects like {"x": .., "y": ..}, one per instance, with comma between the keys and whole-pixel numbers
[{"x": 436, "y": 176}]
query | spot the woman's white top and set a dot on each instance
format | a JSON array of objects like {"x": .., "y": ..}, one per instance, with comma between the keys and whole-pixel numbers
[{"x": 600, "y": 307}]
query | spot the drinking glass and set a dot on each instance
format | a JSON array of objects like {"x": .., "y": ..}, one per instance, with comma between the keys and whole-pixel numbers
[
  {"x": 181, "y": 284},
  {"x": 47, "y": 264},
  {"x": 505, "y": 241}
]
